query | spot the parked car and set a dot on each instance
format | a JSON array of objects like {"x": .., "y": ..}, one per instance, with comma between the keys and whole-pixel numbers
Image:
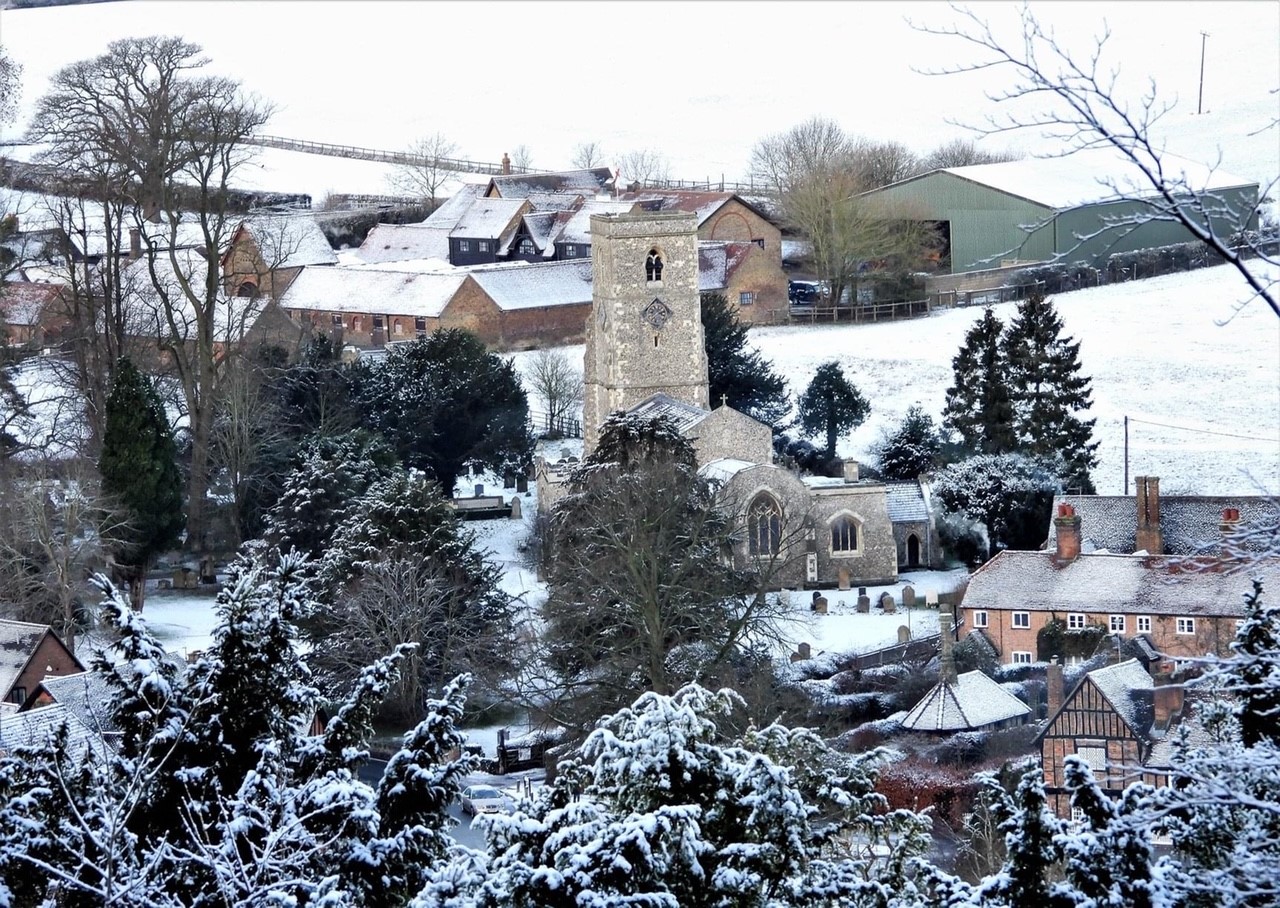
[
  {"x": 804, "y": 293},
  {"x": 478, "y": 799}
]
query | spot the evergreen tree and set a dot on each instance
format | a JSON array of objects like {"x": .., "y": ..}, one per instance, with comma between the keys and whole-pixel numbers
[
  {"x": 1033, "y": 850},
  {"x": 1109, "y": 861},
  {"x": 446, "y": 404},
  {"x": 1009, "y": 494},
  {"x": 831, "y": 406},
  {"x": 913, "y": 448},
  {"x": 737, "y": 374},
  {"x": 1256, "y": 671},
  {"x": 140, "y": 471},
  {"x": 1048, "y": 391},
  {"x": 979, "y": 405}
]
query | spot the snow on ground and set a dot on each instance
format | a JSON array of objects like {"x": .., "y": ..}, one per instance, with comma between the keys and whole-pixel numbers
[{"x": 1174, "y": 350}]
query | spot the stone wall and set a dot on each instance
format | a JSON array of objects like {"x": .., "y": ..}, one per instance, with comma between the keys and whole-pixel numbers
[
  {"x": 727, "y": 433},
  {"x": 761, "y": 274}
]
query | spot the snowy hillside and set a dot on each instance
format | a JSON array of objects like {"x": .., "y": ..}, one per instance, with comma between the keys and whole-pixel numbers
[{"x": 1170, "y": 350}]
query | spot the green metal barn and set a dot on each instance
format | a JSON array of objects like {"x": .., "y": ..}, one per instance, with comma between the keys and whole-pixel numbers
[{"x": 1078, "y": 208}]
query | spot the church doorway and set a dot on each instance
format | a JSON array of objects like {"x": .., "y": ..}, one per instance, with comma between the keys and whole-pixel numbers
[{"x": 913, "y": 550}]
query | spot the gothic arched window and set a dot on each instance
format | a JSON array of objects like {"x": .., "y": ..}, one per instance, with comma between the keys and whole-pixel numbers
[
  {"x": 653, "y": 266},
  {"x": 844, "y": 534},
  {"x": 764, "y": 525}
]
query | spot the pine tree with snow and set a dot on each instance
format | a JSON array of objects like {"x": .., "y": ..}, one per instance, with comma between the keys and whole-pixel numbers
[
  {"x": 910, "y": 450},
  {"x": 1255, "y": 671},
  {"x": 1009, "y": 494},
  {"x": 139, "y": 468},
  {"x": 1048, "y": 391},
  {"x": 1033, "y": 850},
  {"x": 831, "y": 406},
  {"x": 1108, "y": 862},
  {"x": 979, "y": 405},
  {"x": 737, "y": 374}
]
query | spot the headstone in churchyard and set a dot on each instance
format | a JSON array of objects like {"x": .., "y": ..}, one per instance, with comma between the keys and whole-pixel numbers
[
  {"x": 802, "y": 653},
  {"x": 908, "y": 596},
  {"x": 842, "y": 576},
  {"x": 508, "y": 480},
  {"x": 904, "y": 634},
  {"x": 864, "y": 604},
  {"x": 931, "y": 598},
  {"x": 522, "y": 484},
  {"x": 887, "y": 605},
  {"x": 515, "y": 507},
  {"x": 479, "y": 489},
  {"x": 820, "y": 605}
]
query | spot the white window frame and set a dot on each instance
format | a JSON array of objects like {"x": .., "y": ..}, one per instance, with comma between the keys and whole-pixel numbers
[
  {"x": 1143, "y": 623},
  {"x": 1020, "y": 657},
  {"x": 570, "y": 250},
  {"x": 482, "y": 245},
  {"x": 980, "y": 618},
  {"x": 1094, "y": 754},
  {"x": 464, "y": 245},
  {"x": 1021, "y": 620},
  {"x": 397, "y": 327},
  {"x": 1117, "y": 624},
  {"x": 1186, "y": 626},
  {"x": 1077, "y": 816},
  {"x": 1076, "y": 621}
]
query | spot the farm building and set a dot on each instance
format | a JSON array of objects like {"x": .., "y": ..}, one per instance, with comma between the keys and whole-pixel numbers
[{"x": 1079, "y": 208}]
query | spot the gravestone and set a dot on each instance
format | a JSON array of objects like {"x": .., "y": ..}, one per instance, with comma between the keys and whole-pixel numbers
[
  {"x": 864, "y": 604},
  {"x": 515, "y": 508},
  {"x": 842, "y": 577},
  {"x": 931, "y": 598},
  {"x": 904, "y": 634},
  {"x": 479, "y": 489},
  {"x": 908, "y": 596},
  {"x": 802, "y": 653},
  {"x": 887, "y": 605},
  {"x": 522, "y": 484},
  {"x": 508, "y": 480},
  {"x": 820, "y": 605}
]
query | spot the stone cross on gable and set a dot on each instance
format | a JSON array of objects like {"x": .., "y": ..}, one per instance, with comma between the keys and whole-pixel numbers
[{"x": 724, "y": 400}]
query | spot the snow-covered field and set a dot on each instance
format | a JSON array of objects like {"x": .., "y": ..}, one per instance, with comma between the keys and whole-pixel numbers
[{"x": 1177, "y": 351}]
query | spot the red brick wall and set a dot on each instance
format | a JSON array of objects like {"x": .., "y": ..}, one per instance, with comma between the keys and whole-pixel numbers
[
  {"x": 760, "y": 274},
  {"x": 472, "y": 309},
  {"x": 544, "y": 326},
  {"x": 736, "y": 223},
  {"x": 51, "y": 660}
]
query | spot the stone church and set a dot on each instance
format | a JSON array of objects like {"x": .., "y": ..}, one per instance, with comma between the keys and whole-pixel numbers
[{"x": 645, "y": 354}]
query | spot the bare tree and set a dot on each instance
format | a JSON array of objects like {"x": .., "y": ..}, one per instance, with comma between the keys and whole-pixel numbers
[
  {"x": 247, "y": 427},
  {"x": 881, "y": 163},
  {"x": 587, "y": 155},
  {"x": 782, "y": 160},
  {"x": 961, "y": 153},
  {"x": 522, "y": 158},
  {"x": 559, "y": 383},
  {"x": 1078, "y": 105},
  {"x": 644, "y": 166},
  {"x": 10, "y": 87},
  {"x": 431, "y": 169}
]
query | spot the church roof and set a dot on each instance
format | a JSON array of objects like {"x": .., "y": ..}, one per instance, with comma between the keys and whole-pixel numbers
[
  {"x": 725, "y": 468},
  {"x": 906, "y": 502},
  {"x": 972, "y": 702},
  {"x": 684, "y": 415}
]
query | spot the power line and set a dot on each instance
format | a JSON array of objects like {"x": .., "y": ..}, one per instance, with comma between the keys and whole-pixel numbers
[{"x": 1165, "y": 425}]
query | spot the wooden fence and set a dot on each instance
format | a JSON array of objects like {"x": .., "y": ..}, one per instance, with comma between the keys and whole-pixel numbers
[{"x": 867, "y": 312}]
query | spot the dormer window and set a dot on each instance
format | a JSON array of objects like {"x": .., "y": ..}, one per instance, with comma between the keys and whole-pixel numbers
[
  {"x": 526, "y": 246},
  {"x": 653, "y": 266}
]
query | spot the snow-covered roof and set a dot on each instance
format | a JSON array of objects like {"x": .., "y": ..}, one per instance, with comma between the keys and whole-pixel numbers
[
  {"x": 1106, "y": 583},
  {"x": 796, "y": 250},
  {"x": 974, "y": 701},
  {"x": 401, "y": 242},
  {"x": 290, "y": 240},
  {"x": 725, "y": 468},
  {"x": 1123, "y": 685},
  {"x": 906, "y": 502},
  {"x": 578, "y": 228},
  {"x": 489, "y": 219},
  {"x": 38, "y": 726},
  {"x": 523, "y": 185},
  {"x": 368, "y": 290},
  {"x": 86, "y": 695},
  {"x": 23, "y": 302},
  {"x": 523, "y": 285},
  {"x": 538, "y": 225},
  {"x": 451, "y": 209},
  {"x": 712, "y": 267},
  {"x": 1188, "y": 524},
  {"x": 683, "y": 415},
  {"x": 1079, "y": 178},
  {"x": 18, "y": 642}
]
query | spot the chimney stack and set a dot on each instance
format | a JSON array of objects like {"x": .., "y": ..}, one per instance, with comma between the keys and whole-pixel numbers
[
  {"x": 506, "y": 163},
  {"x": 1148, "y": 537},
  {"x": 1054, "y": 686},
  {"x": 1166, "y": 701},
  {"x": 1067, "y": 527},
  {"x": 1230, "y": 520}
]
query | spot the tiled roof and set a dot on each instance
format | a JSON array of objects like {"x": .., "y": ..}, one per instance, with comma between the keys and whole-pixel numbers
[
  {"x": 906, "y": 502},
  {"x": 697, "y": 202},
  {"x": 1127, "y": 687},
  {"x": 972, "y": 702},
  {"x": 528, "y": 285},
  {"x": 577, "y": 229},
  {"x": 683, "y": 415},
  {"x": 290, "y": 241},
  {"x": 18, "y": 642},
  {"x": 373, "y": 291},
  {"x": 37, "y": 726},
  {"x": 713, "y": 274},
  {"x": 1158, "y": 585},
  {"x": 1188, "y": 524},
  {"x": 451, "y": 209},
  {"x": 522, "y": 185},
  {"x": 87, "y": 696},
  {"x": 23, "y": 302}
]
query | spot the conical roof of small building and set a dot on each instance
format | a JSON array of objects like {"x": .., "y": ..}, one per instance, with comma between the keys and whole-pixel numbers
[{"x": 972, "y": 702}]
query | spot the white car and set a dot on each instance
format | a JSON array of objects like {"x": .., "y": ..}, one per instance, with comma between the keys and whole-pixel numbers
[{"x": 477, "y": 799}]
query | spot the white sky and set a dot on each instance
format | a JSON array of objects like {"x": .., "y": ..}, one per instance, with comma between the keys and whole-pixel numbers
[{"x": 700, "y": 81}]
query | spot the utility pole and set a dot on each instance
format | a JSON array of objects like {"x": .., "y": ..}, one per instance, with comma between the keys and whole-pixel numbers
[
  {"x": 1200, "y": 102},
  {"x": 1126, "y": 455}
]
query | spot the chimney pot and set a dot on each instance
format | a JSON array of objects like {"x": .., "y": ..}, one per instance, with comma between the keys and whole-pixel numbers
[
  {"x": 1067, "y": 527},
  {"x": 506, "y": 163}
]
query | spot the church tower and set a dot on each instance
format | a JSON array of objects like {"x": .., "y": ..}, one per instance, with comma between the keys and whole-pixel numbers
[{"x": 644, "y": 335}]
